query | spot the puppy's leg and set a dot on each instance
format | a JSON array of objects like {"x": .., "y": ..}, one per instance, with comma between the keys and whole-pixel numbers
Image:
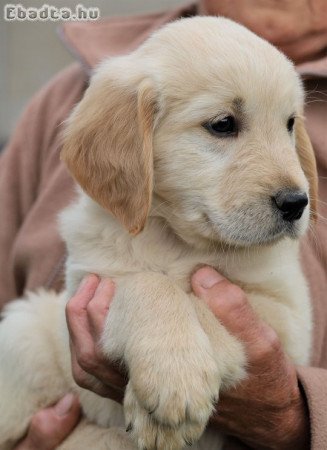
[
  {"x": 30, "y": 377},
  {"x": 174, "y": 376}
]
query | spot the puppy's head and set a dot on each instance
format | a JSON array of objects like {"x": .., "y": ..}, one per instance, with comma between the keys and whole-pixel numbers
[{"x": 203, "y": 126}]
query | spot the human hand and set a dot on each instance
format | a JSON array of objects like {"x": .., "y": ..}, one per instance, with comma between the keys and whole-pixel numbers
[
  {"x": 299, "y": 28},
  {"x": 50, "y": 426},
  {"x": 267, "y": 410},
  {"x": 86, "y": 313}
]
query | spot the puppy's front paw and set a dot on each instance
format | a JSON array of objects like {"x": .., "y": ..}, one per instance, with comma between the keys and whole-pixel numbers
[
  {"x": 149, "y": 434},
  {"x": 171, "y": 395}
]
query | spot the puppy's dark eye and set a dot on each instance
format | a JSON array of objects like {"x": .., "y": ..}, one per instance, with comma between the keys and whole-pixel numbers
[
  {"x": 222, "y": 127},
  {"x": 290, "y": 124}
]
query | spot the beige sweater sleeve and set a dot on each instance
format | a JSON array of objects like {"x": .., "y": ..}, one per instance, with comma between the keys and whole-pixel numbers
[{"x": 314, "y": 383}]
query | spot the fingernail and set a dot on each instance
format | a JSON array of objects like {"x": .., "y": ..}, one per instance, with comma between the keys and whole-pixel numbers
[
  {"x": 208, "y": 277},
  {"x": 64, "y": 405}
]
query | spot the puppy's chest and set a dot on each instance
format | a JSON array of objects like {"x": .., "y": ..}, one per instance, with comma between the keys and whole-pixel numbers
[
  {"x": 107, "y": 250},
  {"x": 118, "y": 259},
  {"x": 97, "y": 243},
  {"x": 110, "y": 252}
]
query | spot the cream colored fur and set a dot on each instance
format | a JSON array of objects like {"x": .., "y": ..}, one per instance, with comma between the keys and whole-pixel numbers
[{"x": 137, "y": 146}]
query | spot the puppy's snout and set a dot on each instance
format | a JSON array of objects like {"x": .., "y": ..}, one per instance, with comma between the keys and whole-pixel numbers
[{"x": 291, "y": 203}]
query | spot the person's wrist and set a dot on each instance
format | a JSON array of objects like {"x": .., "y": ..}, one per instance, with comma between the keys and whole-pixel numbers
[
  {"x": 292, "y": 429},
  {"x": 297, "y": 418}
]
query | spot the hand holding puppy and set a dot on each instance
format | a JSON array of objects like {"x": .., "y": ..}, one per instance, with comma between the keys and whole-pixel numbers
[
  {"x": 86, "y": 313},
  {"x": 267, "y": 407}
]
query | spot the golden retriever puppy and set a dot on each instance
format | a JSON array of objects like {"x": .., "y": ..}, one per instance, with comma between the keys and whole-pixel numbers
[{"x": 191, "y": 150}]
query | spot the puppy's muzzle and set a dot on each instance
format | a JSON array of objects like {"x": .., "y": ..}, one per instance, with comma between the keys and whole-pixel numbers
[{"x": 291, "y": 203}]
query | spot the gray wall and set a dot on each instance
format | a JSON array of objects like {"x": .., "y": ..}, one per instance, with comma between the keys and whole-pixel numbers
[{"x": 30, "y": 52}]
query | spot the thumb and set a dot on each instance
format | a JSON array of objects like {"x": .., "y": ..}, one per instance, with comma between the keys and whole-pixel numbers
[
  {"x": 226, "y": 300},
  {"x": 50, "y": 426}
]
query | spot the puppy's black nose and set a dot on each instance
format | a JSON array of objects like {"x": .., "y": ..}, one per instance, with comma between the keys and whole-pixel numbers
[{"x": 291, "y": 203}]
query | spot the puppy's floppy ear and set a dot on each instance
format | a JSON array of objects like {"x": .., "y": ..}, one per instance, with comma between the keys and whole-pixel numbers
[
  {"x": 108, "y": 142},
  {"x": 308, "y": 163}
]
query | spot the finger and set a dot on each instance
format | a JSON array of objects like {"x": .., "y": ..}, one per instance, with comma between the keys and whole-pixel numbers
[
  {"x": 86, "y": 356},
  {"x": 108, "y": 392},
  {"x": 89, "y": 369},
  {"x": 229, "y": 304},
  {"x": 97, "y": 310},
  {"x": 50, "y": 427},
  {"x": 98, "y": 307},
  {"x": 103, "y": 380},
  {"x": 97, "y": 372},
  {"x": 91, "y": 383},
  {"x": 109, "y": 375},
  {"x": 76, "y": 316}
]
